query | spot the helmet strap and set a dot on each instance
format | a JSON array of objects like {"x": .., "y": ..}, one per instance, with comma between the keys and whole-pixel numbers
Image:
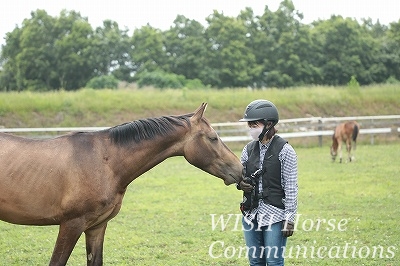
[{"x": 265, "y": 130}]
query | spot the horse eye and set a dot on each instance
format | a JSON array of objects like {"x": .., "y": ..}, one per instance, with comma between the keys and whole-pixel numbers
[{"x": 213, "y": 139}]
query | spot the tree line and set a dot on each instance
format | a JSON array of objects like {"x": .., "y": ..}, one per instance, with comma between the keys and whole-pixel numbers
[{"x": 274, "y": 49}]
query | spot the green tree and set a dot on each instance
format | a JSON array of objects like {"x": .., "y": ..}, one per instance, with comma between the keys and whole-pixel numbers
[
  {"x": 112, "y": 51},
  {"x": 161, "y": 80},
  {"x": 48, "y": 53},
  {"x": 348, "y": 50},
  {"x": 391, "y": 50},
  {"x": 376, "y": 30},
  {"x": 35, "y": 58},
  {"x": 186, "y": 48},
  {"x": 233, "y": 63},
  {"x": 274, "y": 49},
  {"x": 290, "y": 49},
  {"x": 103, "y": 82},
  {"x": 8, "y": 64},
  {"x": 148, "y": 52},
  {"x": 73, "y": 51}
]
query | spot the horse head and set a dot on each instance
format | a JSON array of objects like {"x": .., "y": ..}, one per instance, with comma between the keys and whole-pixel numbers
[
  {"x": 333, "y": 153},
  {"x": 204, "y": 149}
]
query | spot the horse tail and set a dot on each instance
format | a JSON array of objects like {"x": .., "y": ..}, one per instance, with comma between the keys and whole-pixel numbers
[{"x": 355, "y": 132}]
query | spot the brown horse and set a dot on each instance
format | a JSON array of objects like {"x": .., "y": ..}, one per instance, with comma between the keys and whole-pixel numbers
[
  {"x": 345, "y": 132},
  {"x": 78, "y": 181}
]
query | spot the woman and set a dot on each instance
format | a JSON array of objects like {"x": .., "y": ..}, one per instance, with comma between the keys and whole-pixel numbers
[{"x": 270, "y": 188}]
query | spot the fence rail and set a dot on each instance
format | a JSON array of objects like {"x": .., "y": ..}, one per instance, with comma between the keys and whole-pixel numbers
[
  {"x": 288, "y": 128},
  {"x": 314, "y": 127}
]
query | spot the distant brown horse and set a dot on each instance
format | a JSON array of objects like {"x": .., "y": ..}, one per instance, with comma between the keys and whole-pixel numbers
[
  {"x": 78, "y": 180},
  {"x": 345, "y": 132}
]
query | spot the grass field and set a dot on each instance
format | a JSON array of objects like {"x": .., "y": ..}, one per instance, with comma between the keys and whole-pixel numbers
[
  {"x": 348, "y": 215},
  {"x": 89, "y": 107}
]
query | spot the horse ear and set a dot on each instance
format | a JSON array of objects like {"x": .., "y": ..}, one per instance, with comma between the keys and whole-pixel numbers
[{"x": 198, "y": 114}]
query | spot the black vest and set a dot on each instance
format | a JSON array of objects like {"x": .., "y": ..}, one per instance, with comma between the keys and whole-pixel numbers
[{"x": 272, "y": 192}]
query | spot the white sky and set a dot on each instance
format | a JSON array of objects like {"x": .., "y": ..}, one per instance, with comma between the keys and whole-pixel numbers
[{"x": 161, "y": 13}]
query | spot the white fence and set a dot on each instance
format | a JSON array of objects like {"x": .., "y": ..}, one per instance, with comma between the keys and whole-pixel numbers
[
  {"x": 288, "y": 128},
  {"x": 314, "y": 127}
]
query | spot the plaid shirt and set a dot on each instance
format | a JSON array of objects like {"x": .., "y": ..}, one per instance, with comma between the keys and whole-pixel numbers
[{"x": 267, "y": 214}]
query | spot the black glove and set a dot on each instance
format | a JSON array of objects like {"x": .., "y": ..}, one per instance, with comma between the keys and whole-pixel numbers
[
  {"x": 287, "y": 228},
  {"x": 246, "y": 187}
]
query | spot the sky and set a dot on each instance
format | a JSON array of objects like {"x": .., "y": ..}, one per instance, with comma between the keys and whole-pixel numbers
[{"x": 161, "y": 13}]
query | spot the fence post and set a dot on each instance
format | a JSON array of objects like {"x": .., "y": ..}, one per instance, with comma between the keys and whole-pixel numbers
[
  {"x": 372, "y": 135},
  {"x": 320, "y": 129}
]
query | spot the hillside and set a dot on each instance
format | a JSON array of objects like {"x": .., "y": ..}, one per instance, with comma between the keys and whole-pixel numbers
[{"x": 110, "y": 107}]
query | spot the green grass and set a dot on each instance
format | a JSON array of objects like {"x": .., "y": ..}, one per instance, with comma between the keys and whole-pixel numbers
[
  {"x": 166, "y": 216},
  {"x": 88, "y": 107}
]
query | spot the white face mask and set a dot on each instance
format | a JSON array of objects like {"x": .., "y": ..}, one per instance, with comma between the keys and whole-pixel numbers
[{"x": 255, "y": 132}]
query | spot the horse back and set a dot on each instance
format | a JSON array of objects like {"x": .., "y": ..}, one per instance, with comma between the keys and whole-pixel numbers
[{"x": 40, "y": 179}]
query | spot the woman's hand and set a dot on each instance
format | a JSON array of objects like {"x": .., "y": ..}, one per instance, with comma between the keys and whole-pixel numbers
[
  {"x": 246, "y": 187},
  {"x": 287, "y": 228}
]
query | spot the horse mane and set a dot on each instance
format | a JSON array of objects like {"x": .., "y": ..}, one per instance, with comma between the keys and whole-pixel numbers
[{"x": 145, "y": 129}]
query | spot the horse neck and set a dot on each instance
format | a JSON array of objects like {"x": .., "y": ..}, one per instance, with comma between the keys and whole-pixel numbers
[{"x": 135, "y": 159}]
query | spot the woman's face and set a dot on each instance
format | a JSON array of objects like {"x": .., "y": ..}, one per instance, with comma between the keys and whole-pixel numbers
[{"x": 256, "y": 128}]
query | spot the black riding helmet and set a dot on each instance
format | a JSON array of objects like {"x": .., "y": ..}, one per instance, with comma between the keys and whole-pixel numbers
[{"x": 261, "y": 110}]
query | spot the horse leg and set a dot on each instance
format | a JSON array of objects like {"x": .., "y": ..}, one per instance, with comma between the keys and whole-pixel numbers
[
  {"x": 68, "y": 234},
  {"x": 354, "y": 147},
  {"x": 94, "y": 244},
  {"x": 348, "y": 147},
  {"x": 340, "y": 151}
]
